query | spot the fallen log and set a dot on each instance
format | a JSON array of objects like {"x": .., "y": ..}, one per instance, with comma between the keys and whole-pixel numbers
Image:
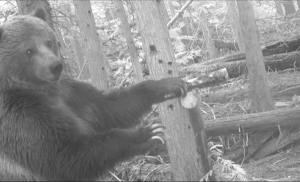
[
  {"x": 228, "y": 45},
  {"x": 289, "y": 44},
  {"x": 253, "y": 122},
  {"x": 282, "y": 61},
  {"x": 234, "y": 69},
  {"x": 227, "y": 96},
  {"x": 237, "y": 68},
  {"x": 229, "y": 58},
  {"x": 284, "y": 46},
  {"x": 208, "y": 80}
]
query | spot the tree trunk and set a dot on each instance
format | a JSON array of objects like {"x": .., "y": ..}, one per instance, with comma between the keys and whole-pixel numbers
[
  {"x": 234, "y": 19},
  {"x": 109, "y": 14},
  {"x": 129, "y": 40},
  {"x": 210, "y": 46},
  {"x": 28, "y": 6},
  {"x": 93, "y": 52},
  {"x": 187, "y": 29},
  {"x": 84, "y": 71},
  {"x": 186, "y": 162},
  {"x": 278, "y": 6},
  {"x": 164, "y": 12},
  {"x": 259, "y": 91},
  {"x": 288, "y": 7}
]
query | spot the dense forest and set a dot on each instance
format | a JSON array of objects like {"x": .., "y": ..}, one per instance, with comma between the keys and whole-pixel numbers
[{"x": 239, "y": 60}]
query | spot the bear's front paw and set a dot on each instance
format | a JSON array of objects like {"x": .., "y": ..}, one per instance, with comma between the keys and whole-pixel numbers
[
  {"x": 149, "y": 136},
  {"x": 150, "y": 132},
  {"x": 169, "y": 88}
]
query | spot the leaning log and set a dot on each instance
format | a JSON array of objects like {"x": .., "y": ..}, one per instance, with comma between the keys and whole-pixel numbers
[
  {"x": 253, "y": 122},
  {"x": 287, "y": 137}
]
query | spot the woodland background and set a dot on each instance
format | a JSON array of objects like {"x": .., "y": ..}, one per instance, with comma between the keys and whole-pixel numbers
[{"x": 212, "y": 54}]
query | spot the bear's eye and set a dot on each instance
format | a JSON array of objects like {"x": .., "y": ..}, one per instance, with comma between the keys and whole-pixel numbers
[
  {"x": 29, "y": 52},
  {"x": 49, "y": 44}
]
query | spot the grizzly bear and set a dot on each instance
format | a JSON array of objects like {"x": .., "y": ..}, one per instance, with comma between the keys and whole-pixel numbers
[{"x": 53, "y": 127}]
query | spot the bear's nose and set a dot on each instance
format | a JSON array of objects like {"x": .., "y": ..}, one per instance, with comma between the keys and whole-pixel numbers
[{"x": 56, "y": 68}]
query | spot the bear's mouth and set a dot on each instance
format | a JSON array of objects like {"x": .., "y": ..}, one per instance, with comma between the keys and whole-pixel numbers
[
  {"x": 54, "y": 78},
  {"x": 49, "y": 73},
  {"x": 47, "y": 76}
]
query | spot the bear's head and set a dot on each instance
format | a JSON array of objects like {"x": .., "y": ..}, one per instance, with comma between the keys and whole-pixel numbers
[{"x": 29, "y": 50}]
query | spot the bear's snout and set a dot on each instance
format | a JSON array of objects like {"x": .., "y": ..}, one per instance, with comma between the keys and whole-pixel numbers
[{"x": 56, "y": 68}]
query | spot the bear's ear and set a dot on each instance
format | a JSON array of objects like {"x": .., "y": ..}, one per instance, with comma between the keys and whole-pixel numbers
[{"x": 40, "y": 13}]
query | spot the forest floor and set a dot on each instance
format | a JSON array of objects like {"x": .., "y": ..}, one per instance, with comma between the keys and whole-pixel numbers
[{"x": 282, "y": 166}]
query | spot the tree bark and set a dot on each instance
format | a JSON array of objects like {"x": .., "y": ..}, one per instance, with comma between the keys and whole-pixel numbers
[
  {"x": 207, "y": 36},
  {"x": 259, "y": 91},
  {"x": 208, "y": 80},
  {"x": 235, "y": 96},
  {"x": 288, "y": 7},
  {"x": 129, "y": 40},
  {"x": 187, "y": 29},
  {"x": 84, "y": 71},
  {"x": 186, "y": 162},
  {"x": 254, "y": 122},
  {"x": 93, "y": 52},
  {"x": 163, "y": 11},
  {"x": 28, "y": 6},
  {"x": 237, "y": 68},
  {"x": 278, "y": 6},
  {"x": 234, "y": 69},
  {"x": 286, "y": 137},
  {"x": 228, "y": 45},
  {"x": 234, "y": 19},
  {"x": 290, "y": 44}
]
